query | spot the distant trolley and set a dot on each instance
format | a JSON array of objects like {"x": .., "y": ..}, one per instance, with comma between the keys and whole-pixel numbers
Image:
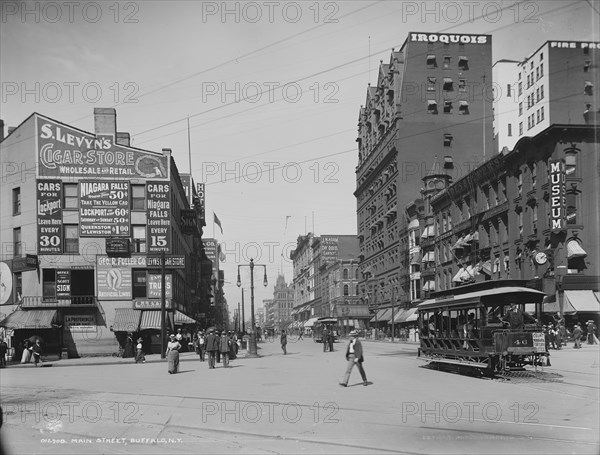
[
  {"x": 466, "y": 326},
  {"x": 331, "y": 324}
]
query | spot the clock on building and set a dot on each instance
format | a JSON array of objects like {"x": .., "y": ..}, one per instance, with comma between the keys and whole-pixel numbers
[{"x": 540, "y": 258}]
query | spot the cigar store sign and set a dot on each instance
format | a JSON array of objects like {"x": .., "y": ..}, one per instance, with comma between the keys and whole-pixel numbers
[
  {"x": 63, "y": 150},
  {"x": 557, "y": 176}
]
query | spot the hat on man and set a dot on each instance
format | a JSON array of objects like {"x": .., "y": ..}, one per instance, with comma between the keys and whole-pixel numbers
[
  {"x": 139, "y": 340},
  {"x": 172, "y": 336},
  {"x": 354, "y": 333}
]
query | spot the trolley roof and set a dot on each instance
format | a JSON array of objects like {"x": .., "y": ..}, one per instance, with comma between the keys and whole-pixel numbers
[{"x": 495, "y": 296}]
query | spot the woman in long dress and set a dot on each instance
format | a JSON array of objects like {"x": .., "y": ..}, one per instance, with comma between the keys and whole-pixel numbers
[
  {"x": 173, "y": 348},
  {"x": 26, "y": 357}
]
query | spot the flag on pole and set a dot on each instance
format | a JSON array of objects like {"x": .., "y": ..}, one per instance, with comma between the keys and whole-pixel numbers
[{"x": 217, "y": 222}]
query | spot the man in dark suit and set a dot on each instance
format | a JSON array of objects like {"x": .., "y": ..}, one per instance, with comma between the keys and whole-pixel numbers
[
  {"x": 212, "y": 347},
  {"x": 354, "y": 356}
]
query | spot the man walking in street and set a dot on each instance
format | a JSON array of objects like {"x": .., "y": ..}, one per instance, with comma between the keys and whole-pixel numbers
[
  {"x": 577, "y": 332},
  {"x": 284, "y": 342},
  {"x": 354, "y": 356},
  {"x": 224, "y": 347},
  {"x": 212, "y": 346},
  {"x": 325, "y": 340}
]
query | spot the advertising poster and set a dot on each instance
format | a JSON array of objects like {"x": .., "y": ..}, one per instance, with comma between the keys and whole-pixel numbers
[
  {"x": 154, "y": 286},
  {"x": 104, "y": 209},
  {"x": 158, "y": 217},
  {"x": 63, "y": 284},
  {"x": 113, "y": 276},
  {"x": 329, "y": 248},
  {"x": 49, "y": 216}
]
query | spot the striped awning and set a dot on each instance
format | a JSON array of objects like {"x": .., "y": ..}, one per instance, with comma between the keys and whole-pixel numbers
[
  {"x": 127, "y": 320},
  {"x": 30, "y": 319},
  {"x": 181, "y": 319},
  {"x": 574, "y": 250},
  {"x": 150, "y": 320},
  {"x": 310, "y": 322}
]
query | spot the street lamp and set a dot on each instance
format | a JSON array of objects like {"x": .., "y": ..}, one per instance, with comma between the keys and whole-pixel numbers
[{"x": 253, "y": 351}]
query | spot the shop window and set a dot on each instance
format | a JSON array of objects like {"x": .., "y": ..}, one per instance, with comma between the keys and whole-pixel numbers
[
  {"x": 138, "y": 197},
  {"x": 431, "y": 62},
  {"x": 16, "y": 193},
  {"x": 49, "y": 284},
  {"x": 432, "y": 107},
  {"x": 463, "y": 107},
  {"x": 70, "y": 196},
  {"x": 462, "y": 85},
  {"x": 463, "y": 63},
  {"x": 139, "y": 239},
  {"x": 17, "y": 242},
  {"x": 138, "y": 277},
  {"x": 447, "y": 107},
  {"x": 447, "y": 61},
  {"x": 448, "y": 85},
  {"x": 71, "y": 236}
]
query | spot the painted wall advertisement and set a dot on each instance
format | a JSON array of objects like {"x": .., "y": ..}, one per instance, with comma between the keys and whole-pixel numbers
[
  {"x": 113, "y": 276},
  {"x": 49, "y": 216},
  {"x": 64, "y": 150},
  {"x": 104, "y": 209},
  {"x": 81, "y": 323},
  {"x": 158, "y": 217},
  {"x": 329, "y": 248}
]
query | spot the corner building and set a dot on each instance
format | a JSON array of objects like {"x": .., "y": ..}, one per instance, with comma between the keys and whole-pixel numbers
[
  {"x": 428, "y": 102},
  {"x": 84, "y": 219}
]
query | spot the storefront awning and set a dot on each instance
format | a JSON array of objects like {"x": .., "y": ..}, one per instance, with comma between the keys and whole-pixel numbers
[
  {"x": 30, "y": 319},
  {"x": 574, "y": 250},
  {"x": 583, "y": 301},
  {"x": 150, "y": 320},
  {"x": 181, "y": 319},
  {"x": 310, "y": 322},
  {"x": 127, "y": 320},
  {"x": 382, "y": 315},
  {"x": 408, "y": 316}
]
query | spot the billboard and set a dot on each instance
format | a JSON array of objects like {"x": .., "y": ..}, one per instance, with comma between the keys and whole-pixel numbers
[
  {"x": 329, "y": 248},
  {"x": 66, "y": 151},
  {"x": 104, "y": 209},
  {"x": 49, "y": 216},
  {"x": 158, "y": 217}
]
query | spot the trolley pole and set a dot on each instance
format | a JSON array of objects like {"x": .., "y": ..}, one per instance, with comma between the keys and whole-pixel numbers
[{"x": 163, "y": 311}]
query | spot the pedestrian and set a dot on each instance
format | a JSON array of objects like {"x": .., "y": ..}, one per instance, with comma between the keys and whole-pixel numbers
[
  {"x": 201, "y": 345},
  {"x": 139, "y": 352},
  {"x": 224, "y": 347},
  {"x": 284, "y": 342},
  {"x": 26, "y": 357},
  {"x": 232, "y": 346},
  {"x": 552, "y": 336},
  {"x": 128, "y": 351},
  {"x": 173, "y": 347},
  {"x": 36, "y": 351},
  {"x": 577, "y": 333},
  {"x": 330, "y": 338},
  {"x": 300, "y": 333},
  {"x": 3, "y": 351},
  {"x": 354, "y": 356},
  {"x": 212, "y": 346},
  {"x": 325, "y": 341}
]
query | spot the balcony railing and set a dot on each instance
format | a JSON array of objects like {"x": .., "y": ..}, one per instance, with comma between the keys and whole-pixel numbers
[{"x": 52, "y": 302}]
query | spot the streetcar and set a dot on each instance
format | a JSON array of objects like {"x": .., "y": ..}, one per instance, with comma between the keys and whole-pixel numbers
[
  {"x": 331, "y": 324},
  {"x": 473, "y": 326}
]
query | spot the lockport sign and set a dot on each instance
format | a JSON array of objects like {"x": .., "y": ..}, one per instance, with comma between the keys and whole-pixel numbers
[
  {"x": 158, "y": 217},
  {"x": 64, "y": 150},
  {"x": 49, "y": 216},
  {"x": 104, "y": 209},
  {"x": 557, "y": 177}
]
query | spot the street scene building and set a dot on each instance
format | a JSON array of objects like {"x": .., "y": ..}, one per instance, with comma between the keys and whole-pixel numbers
[
  {"x": 90, "y": 217},
  {"x": 278, "y": 310}
]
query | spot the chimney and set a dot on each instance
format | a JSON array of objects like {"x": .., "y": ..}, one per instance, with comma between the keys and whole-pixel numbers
[
  {"x": 123, "y": 139},
  {"x": 1, "y": 130},
  {"x": 105, "y": 121},
  {"x": 166, "y": 152}
]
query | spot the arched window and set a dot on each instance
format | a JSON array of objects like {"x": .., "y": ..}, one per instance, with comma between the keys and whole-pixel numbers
[
  {"x": 356, "y": 290},
  {"x": 356, "y": 273},
  {"x": 345, "y": 274},
  {"x": 346, "y": 290}
]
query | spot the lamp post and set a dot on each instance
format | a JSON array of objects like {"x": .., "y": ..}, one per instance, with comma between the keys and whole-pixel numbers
[{"x": 253, "y": 351}]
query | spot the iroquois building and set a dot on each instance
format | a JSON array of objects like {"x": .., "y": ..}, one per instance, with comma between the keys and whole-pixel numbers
[
  {"x": 428, "y": 102},
  {"x": 84, "y": 220}
]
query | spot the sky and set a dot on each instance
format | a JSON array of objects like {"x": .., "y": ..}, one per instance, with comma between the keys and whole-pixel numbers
[{"x": 271, "y": 91}]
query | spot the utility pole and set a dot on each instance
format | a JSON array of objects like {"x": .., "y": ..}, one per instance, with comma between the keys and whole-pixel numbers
[{"x": 163, "y": 312}]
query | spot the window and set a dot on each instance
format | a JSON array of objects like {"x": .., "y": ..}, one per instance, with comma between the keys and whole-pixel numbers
[
  {"x": 139, "y": 239},
  {"x": 432, "y": 107},
  {"x": 520, "y": 183},
  {"x": 138, "y": 277},
  {"x": 346, "y": 290},
  {"x": 345, "y": 274},
  {"x": 462, "y": 85},
  {"x": 537, "y": 73},
  {"x": 138, "y": 197},
  {"x": 520, "y": 88},
  {"x": 463, "y": 107},
  {"x": 520, "y": 128},
  {"x": 447, "y": 107},
  {"x": 533, "y": 175},
  {"x": 49, "y": 284},
  {"x": 431, "y": 84},
  {"x": 18, "y": 277},
  {"x": 17, "y": 244},
  {"x": 448, "y": 139},
  {"x": 508, "y": 93},
  {"x": 510, "y": 129},
  {"x": 586, "y": 66},
  {"x": 520, "y": 218},
  {"x": 448, "y": 86},
  {"x": 71, "y": 235},
  {"x": 70, "y": 191},
  {"x": 463, "y": 63},
  {"x": 570, "y": 163},
  {"x": 16, "y": 192},
  {"x": 589, "y": 88},
  {"x": 541, "y": 56},
  {"x": 586, "y": 50},
  {"x": 541, "y": 69},
  {"x": 537, "y": 94},
  {"x": 542, "y": 112},
  {"x": 538, "y": 116},
  {"x": 431, "y": 63},
  {"x": 447, "y": 61},
  {"x": 541, "y": 92},
  {"x": 571, "y": 202},
  {"x": 531, "y": 65},
  {"x": 521, "y": 108}
]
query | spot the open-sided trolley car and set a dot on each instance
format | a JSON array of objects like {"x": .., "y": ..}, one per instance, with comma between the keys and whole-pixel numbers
[
  {"x": 492, "y": 326},
  {"x": 331, "y": 324}
]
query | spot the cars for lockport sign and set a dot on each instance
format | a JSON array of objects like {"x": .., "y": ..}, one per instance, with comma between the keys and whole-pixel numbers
[{"x": 557, "y": 176}]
